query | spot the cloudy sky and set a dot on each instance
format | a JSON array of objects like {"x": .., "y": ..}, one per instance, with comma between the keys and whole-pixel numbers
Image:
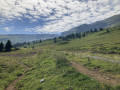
[{"x": 52, "y": 16}]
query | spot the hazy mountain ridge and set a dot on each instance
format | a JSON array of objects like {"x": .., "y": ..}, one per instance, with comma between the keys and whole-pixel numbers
[
  {"x": 25, "y": 37},
  {"x": 109, "y": 22}
]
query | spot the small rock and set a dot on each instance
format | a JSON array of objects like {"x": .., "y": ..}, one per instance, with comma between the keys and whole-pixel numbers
[
  {"x": 107, "y": 78},
  {"x": 42, "y": 80}
]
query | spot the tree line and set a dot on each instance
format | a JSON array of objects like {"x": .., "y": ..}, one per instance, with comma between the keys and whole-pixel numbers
[
  {"x": 77, "y": 35},
  {"x": 20, "y": 44},
  {"x": 58, "y": 39},
  {"x": 63, "y": 38},
  {"x": 7, "y": 47}
]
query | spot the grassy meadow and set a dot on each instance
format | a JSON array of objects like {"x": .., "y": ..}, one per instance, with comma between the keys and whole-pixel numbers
[
  {"x": 51, "y": 62},
  {"x": 98, "y": 42},
  {"x": 10, "y": 69},
  {"x": 58, "y": 74}
]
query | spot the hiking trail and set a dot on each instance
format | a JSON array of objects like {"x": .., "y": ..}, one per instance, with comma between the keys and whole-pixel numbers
[
  {"x": 11, "y": 86},
  {"x": 104, "y": 78}
]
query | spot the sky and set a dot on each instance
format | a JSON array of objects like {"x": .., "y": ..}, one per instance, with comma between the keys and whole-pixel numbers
[{"x": 52, "y": 16}]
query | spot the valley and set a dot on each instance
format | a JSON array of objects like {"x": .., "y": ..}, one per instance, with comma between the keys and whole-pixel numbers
[{"x": 87, "y": 63}]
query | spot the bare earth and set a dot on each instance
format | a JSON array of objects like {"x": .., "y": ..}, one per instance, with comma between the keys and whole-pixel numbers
[
  {"x": 107, "y": 79},
  {"x": 12, "y": 85}
]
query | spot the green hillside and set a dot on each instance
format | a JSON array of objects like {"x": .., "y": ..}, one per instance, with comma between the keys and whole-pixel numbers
[
  {"x": 109, "y": 22},
  {"x": 99, "y": 42},
  {"x": 89, "y": 63}
]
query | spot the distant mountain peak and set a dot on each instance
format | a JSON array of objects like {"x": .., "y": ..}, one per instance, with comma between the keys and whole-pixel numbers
[{"x": 109, "y": 22}]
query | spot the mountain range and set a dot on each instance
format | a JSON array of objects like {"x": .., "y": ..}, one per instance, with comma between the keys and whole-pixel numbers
[
  {"x": 109, "y": 22},
  {"x": 25, "y": 37}
]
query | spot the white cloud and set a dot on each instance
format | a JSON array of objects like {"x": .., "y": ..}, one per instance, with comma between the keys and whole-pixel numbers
[
  {"x": 59, "y": 15},
  {"x": 117, "y": 7},
  {"x": 8, "y": 29}
]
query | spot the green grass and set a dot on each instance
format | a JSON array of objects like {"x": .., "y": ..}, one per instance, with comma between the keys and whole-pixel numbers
[
  {"x": 49, "y": 63},
  {"x": 9, "y": 71},
  {"x": 101, "y": 44},
  {"x": 10, "y": 68},
  {"x": 98, "y": 42},
  {"x": 97, "y": 64},
  {"x": 58, "y": 74}
]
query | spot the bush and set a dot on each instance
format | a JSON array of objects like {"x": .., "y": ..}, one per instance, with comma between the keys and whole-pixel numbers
[
  {"x": 19, "y": 74},
  {"x": 16, "y": 49},
  {"x": 61, "y": 61}
]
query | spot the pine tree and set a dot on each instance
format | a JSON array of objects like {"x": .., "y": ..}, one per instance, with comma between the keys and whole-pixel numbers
[
  {"x": 54, "y": 40},
  {"x": 80, "y": 35},
  {"x": 77, "y": 35},
  {"x": 91, "y": 31},
  {"x": 108, "y": 31},
  {"x": 8, "y": 46},
  {"x": 60, "y": 37},
  {"x": 83, "y": 35},
  {"x": 73, "y": 36},
  {"x": 40, "y": 41},
  {"x": 1, "y": 47},
  {"x": 101, "y": 29},
  {"x": 95, "y": 30}
]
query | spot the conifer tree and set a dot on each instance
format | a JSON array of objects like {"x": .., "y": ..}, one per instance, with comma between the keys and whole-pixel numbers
[
  {"x": 1, "y": 47},
  {"x": 95, "y": 30},
  {"x": 108, "y": 31},
  {"x": 77, "y": 35},
  {"x": 83, "y": 35},
  {"x": 40, "y": 41},
  {"x": 54, "y": 40},
  {"x": 8, "y": 46},
  {"x": 80, "y": 35},
  {"x": 101, "y": 29}
]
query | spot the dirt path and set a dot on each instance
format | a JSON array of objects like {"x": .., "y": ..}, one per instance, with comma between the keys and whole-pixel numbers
[
  {"x": 18, "y": 55},
  {"x": 90, "y": 56},
  {"x": 102, "y": 58},
  {"x": 12, "y": 85},
  {"x": 107, "y": 79},
  {"x": 96, "y": 57}
]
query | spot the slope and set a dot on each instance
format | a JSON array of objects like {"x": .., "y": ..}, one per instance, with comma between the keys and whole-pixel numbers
[
  {"x": 110, "y": 22},
  {"x": 102, "y": 42}
]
